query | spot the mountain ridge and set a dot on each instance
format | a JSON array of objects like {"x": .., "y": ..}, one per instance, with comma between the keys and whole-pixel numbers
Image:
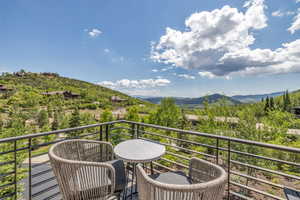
[{"x": 194, "y": 102}]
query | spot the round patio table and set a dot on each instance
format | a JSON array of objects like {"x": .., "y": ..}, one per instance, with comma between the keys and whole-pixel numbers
[{"x": 138, "y": 151}]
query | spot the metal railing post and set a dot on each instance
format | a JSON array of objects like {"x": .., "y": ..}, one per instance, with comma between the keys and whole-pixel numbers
[
  {"x": 106, "y": 132},
  {"x": 138, "y": 131},
  {"x": 29, "y": 168},
  {"x": 217, "y": 151},
  {"x": 101, "y": 133},
  {"x": 133, "y": 130},
  {"x": 15, "y": 169},
  {"x": 228, "y": 169}
]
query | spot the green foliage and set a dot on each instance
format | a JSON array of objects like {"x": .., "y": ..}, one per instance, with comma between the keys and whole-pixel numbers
[
  {"x": 87, "y": 119},
  {"x": 167, "y": 114},
  {"x": 75, "y": 118},
  {"x": 286, "y": 101},
  {"x": 43, "y": 118},
  {"x": 132, "y": 114},
  {"x": 106, "y": 116},
  {"x": 56, "y": 120},
  {"x": 74, "y": 122}
]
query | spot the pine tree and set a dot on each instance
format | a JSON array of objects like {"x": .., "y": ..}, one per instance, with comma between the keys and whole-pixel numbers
[
  {"x": 43, "y": 119},
  {"x": 267, "y": 105},
  {"x": 272, "y": 105},
  {"x": 75, "y": 122},
  {"x": 288, "y": 101},
  {"x": 75, "y": 118},
  {"x": 55, "y": 123}
]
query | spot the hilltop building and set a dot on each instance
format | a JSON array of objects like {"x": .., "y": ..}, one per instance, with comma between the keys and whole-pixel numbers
[
  {"x": 4, "y": 89},
  {"x": 117, "y": 99},
  {"x": 66, "y": 94}
]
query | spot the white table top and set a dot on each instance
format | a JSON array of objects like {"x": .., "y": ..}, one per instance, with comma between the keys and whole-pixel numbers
[{"x": 139, "y": 151}]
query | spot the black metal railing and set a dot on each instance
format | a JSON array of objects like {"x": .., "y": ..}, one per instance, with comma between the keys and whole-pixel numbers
[{"x": 255, "y": 170}]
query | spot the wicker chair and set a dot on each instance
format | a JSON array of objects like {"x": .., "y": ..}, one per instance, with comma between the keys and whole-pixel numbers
[
  {"x": 85, "y": 169},
  {"x": 206, "y": 181}
]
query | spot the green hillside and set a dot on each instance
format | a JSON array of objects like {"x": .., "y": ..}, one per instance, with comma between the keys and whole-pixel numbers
[{"x": 28, "y": 90}]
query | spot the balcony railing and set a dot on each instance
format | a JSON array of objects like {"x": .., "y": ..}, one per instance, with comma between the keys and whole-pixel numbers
[{"x": 255, "y": 170}]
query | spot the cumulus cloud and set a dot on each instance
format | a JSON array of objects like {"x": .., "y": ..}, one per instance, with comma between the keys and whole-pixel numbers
[
  {"x": 94, "y": 32},
  {"x": 106, "y": 50},
  {"x": 186, "y": 76},
  {"x": 296, "y": 24},
  {"x": 217, "y": 44},
  {"x": 137, "y": 84},
  {"x": 154, "y": 70}
]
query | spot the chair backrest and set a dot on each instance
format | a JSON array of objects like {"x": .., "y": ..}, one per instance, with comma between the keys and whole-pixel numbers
[
  {"x": 84, "y": 150},
  {"x": 79, "y": 171},
  {"x": 211, "y": 188}
]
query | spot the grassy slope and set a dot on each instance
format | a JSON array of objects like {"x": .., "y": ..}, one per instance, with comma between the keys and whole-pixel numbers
[{"x": 38, "y": 83}]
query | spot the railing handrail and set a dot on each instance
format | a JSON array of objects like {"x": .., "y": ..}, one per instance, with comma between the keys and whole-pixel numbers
[
  {"x": 102, "y": 130},
  {"x": 196, "y": 133},
  {"x": 227, "y": 138},
  {"x": 33, "y": 135}
]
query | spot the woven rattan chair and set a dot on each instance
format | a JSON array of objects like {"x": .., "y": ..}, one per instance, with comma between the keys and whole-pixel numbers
[
  {"x": 85, "y": 169},
  {"x": 206, "y": 181}
]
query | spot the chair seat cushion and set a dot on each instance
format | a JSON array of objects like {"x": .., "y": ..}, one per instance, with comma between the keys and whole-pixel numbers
[
  {"x": 120, "y": 174},
  {"x": 292, "y": 194},
  {"x": 178, "y": 178}
]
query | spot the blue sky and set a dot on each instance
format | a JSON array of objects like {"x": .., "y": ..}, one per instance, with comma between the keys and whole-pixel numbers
[{"x": 157, "y": 48}]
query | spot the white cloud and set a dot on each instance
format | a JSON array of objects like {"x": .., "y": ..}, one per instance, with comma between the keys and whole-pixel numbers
[
  {"x": 217, "y": 44},
  {"x": 279, "y": 13},
  {"x": 163, "y": 69},
  {"x": 186, "y": 76},
  {"x": 94, "y": 32},
  {"x": 143, "y": 92},
  {"x": 209, "y": 36},
  {"x": 166, "y": 69},
  {"x": 255, "y": 16},
  {"x": 297, "y": 1},
  {"x": 106, "y": 50},
  {"x": 296, "y": 24},
  {"x": 144, "y": 83},
  {"x": 207, "y": 74}
]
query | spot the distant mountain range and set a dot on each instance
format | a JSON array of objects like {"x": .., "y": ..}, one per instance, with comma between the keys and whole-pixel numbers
[
  {"x": 198, "y": 102},
  {"x": 193, "y": 102},
  {"x": 256, "y": 97}
]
